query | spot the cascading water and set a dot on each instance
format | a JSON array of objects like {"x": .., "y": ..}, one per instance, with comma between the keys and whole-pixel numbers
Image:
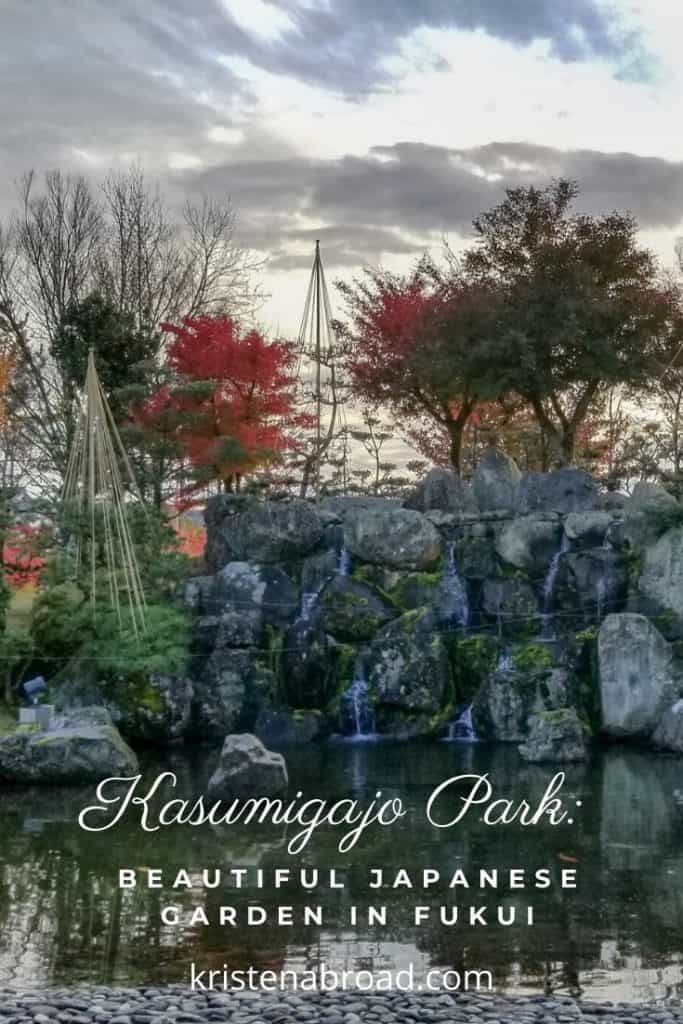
[
  {"x": 344, "y": 561},
  {"x": 461, "y": 729},
  {"x": 357, "y": 710},
  {"x": 549, "y": 588},
  {"x": 600, "y": 594},
  {"x": 506, "y": 662},
  {"x": 456, "y": 589},
  {"x": 310, "y": 597},
  {"x": 308, "y": 601}
]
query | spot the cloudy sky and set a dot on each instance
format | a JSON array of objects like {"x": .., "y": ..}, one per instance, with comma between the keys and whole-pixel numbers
[{"x": 381, "y": 126}]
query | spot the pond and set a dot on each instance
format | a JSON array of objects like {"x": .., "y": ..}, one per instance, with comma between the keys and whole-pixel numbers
[{"x": 619, "y": 935}]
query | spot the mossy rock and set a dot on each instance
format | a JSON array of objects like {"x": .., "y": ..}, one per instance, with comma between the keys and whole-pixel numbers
[
  {"x": 473, "y": 658},
  {"x": 532, "y": 658},
  {"x": 351, "y": 611},
  {"x": 416, "y": 590}
]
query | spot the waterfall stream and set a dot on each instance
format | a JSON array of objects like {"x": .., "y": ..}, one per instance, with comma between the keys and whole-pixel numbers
[
  {"x": 549, "y": 588},
  {"x": 461, "y": 729},
  {"x": 357, "y": 710},
  {"x": 455, "y": 588},
  {"x": 344, "y": 561}
]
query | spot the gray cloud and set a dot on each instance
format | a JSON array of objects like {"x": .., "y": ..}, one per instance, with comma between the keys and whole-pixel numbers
[
  {"x": 341, "y": 45},
  {"x": 145, "y": 80},
  {"x": 96, "y": 77},
  {"x": 85, "y": 74},
  {"x": 397, "y": 198}
]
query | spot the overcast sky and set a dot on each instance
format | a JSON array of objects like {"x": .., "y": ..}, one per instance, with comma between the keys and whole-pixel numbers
[{"x": 380, "y": 126}]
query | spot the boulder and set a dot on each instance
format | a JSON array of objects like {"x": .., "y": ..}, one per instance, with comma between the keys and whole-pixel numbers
[
  {"x": 275, "y": 531},
  {"x": 353, "y": 611},
  {"x": 513, "y": 606},
  {"x": 649, "y": 512},
  {"x": 503, "y": 708},
  {"x": 410, "y": 590},
  {"x": 477, "y": 557},
  {"x": 399, "y": 538},
  {"x": 529, "y": 543},
  {"x": 229, "y": 691},
  {"x": 668, "y": 734},
  {"x": 343, "y": 505},
  {"x": 85, "y": 748},
  {"x": 661, "y": 578},
  {"x": 246, "y": 768},
  {"x": 308, "y": 665},
  {"x": 262, "y": 594},
  {"x": 565, "y": 490},
  {"x": 637, "y": 676},
  {"x": 219, "y": 515},
  {"x": 496, "y": 481},
  {"x": 319, "y": 569},
  {"x": 408, "y": 674},
  {"x": 231, "y": 629},
  {"x": 281, "y": 727},
  {"x": 590, "y": 584},
  {"x": 195, "y": 593},
  {"x": 152, "y": 707},
  {"x": 555, "y": 736},
  {"x": 443, "y": 491},
  {"x": 613, "y": 501},
  {"x": 587, "y": 529}
]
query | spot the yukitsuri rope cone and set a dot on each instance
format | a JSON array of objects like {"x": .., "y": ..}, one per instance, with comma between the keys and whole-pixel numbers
[{"x": 94, "y": 489}]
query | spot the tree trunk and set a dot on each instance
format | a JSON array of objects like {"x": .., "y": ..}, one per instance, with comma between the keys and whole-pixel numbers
[{"x": 456, "y": 429}]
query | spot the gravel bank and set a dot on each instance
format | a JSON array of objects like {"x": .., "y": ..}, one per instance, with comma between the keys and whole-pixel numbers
[{"x": 175, "y": 1004}]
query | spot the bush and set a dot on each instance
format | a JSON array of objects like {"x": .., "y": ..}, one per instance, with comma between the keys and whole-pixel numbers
[{"x": 68, "y": 636}]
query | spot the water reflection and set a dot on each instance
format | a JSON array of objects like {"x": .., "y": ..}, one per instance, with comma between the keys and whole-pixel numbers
[{"x": 619, "y": 936}]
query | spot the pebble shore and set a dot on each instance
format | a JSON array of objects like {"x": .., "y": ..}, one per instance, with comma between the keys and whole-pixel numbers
[{"x": 175, "y": 1004}]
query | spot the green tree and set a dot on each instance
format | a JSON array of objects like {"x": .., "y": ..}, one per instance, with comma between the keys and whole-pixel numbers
[{"x": 581, "y": 308}]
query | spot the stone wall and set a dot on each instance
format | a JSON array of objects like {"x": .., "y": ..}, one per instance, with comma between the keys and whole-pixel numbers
[{"x": 506, "y": 594}]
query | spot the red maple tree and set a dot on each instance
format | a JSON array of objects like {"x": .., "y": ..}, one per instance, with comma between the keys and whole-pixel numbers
[
  {"x": 230, "y": 403},
  {"x": 412, "y": 343}
]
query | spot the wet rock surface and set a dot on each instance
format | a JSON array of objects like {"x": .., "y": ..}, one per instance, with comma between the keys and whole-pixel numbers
[
  {"x": 177, "y": 1004},
  {"x": 83, "y": 746}
]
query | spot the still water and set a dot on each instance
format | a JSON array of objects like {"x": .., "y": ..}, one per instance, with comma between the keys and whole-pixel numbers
[{"x": 619, "y": 935}]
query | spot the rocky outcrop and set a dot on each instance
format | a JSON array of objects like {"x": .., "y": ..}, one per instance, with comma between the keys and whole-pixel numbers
[
  {"x": 149, "y": 708},
  {"x": 565, "y": 490},
  {"x": 274, "y": 531},
  {"x": 398, "y": 600},
  {"x": 263, "y": 593},
  {"x": 512, "y": 605},
  {"x": 408, "y": 674},
  {"x": 591, "y": 583},
  {"x": 85, "y": 747},
  {"x": 668, "y": 734},
  {"x": 529, "y": 543},
  {"x": 247, "y": 768},
  {"x": 353, "y": 611},
  {"x": 661, "y": 578},
  {"x": 229, "y": 691},
  {"x": 496, "y": 482},
  {"x": 638, "y": 680},
  {"x": 648, "y": 513},
  {"x": 587, "y": 529},
  {"x": 400, "y": 538},
  {"x": 522, "y": 687},
  {"x": 309, "y": 665},
  {"x": 158, "y": 711},
  {"x": 281, "y": 727},
  {"x": 441, "y": 491},
  {"x": 555, "y": 736}
]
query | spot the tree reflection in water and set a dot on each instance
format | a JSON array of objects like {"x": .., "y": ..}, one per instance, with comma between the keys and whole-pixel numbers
[{"x": 619, "y": 935}]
